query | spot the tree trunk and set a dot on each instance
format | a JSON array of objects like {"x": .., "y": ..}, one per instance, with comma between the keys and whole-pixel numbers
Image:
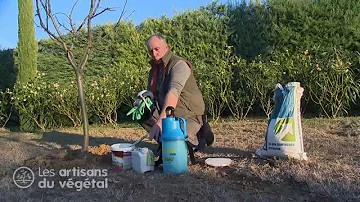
[{"x": 85, "y": 121}]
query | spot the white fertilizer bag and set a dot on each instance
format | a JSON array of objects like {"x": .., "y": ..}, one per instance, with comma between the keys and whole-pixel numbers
[{"x": 284, "y": 132}]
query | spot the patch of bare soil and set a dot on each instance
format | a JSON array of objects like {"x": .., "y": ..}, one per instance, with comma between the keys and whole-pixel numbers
[
  {"x": 96, "y": 156},
  {"x": 100, "y": 150},
  {"x": 331, "y": 174}
]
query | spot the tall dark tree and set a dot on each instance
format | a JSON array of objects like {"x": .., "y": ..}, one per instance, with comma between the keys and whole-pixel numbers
[{"x": 27, "y": 48}]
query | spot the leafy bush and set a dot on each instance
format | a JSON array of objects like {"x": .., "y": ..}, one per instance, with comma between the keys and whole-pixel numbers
[
  {"x": 36, "y": 100},
  {"x": 334, "y": 85},
  {"x": 241, "y": 97},
  {"x": 7, "y": 70},
  {"x": 262, "y": 79},
  {"x": 249, "y": 29},
  {"x": 6, "y": 106}
]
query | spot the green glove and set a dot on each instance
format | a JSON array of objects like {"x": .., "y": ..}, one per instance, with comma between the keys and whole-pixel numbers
[{"x": 138, "y": 111}]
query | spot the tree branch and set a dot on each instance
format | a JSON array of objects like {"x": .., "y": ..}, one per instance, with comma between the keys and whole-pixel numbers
[
  {"x": 47, "y": 17},
  {"x": 82, "y": 24},
  {"x": 73, "y": 28},
  {"x": 88, "y": 48},
  {"x": 130, "y": 14},
  {"x": 91, "y": 13},
  {"x": 62, "y": 25},
  {"x": 49, "y": 13},
  {"x": 70, "y": 16},
  {"x": 105, "y": 9},
  {"x": 42, "y": 22},
  {"x": 121, "y": 15},
  {"x": 96, "y": 7}
]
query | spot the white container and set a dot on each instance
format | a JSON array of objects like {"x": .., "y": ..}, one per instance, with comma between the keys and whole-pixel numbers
[
  {"x": 142, "y": 160},
  {"x": 121, "y": 156}
]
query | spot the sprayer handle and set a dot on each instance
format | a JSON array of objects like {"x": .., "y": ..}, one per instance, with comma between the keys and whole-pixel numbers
[
  {"x": 184, "y": 122},
  {"x": 169, "y": 111}
]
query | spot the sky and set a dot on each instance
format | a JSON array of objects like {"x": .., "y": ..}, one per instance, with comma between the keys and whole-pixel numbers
[{"x": 143, "y": 9}]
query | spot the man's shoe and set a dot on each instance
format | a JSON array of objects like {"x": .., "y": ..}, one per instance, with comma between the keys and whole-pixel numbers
[
  {"x": 208, "y": 134},
  {"x": 201, "y": 143}
]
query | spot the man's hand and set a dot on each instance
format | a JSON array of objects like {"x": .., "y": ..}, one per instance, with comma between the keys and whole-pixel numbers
[
  {"x": 170, "y": 100},
  {"x": 159, "y": 124},
  {"x": 155, "y": 133}
]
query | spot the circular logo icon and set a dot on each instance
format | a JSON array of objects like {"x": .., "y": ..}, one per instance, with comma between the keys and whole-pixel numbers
[{"x": 23, "y": 177}]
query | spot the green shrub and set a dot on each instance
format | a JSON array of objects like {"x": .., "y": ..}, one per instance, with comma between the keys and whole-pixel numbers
[
  {"x": 241, "y": 96},
  {"x": 6, "y": 106},
  {"x": 35, "y": 100},
  {"x": 333, "y": 85}
]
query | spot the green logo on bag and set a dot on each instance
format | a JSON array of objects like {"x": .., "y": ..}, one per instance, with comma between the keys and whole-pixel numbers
[
  {"x": 289, "y": 137},
  {"x": 281, "y": 125}
]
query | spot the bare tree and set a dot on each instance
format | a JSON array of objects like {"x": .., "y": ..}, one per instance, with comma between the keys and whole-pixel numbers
[{"x": 46, "y": 17}]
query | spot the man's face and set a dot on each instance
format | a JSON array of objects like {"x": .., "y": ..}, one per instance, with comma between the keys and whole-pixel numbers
[{"x": 157, "y": 48}]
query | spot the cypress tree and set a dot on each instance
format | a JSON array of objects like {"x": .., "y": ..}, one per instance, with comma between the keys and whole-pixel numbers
[{"x": 27, "y": 48}]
